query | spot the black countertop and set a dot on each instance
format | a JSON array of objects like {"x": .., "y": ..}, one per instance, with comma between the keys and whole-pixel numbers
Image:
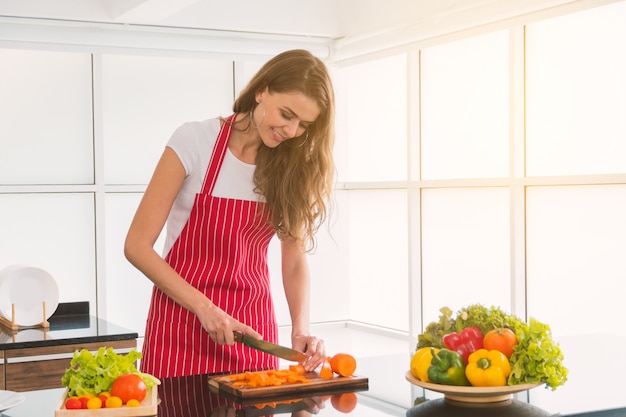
[
  {"x": 71, "y": 323},
  {"x": 192, "y": 397}
]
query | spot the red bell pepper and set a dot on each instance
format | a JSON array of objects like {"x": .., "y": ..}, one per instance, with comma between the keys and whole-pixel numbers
[{"x": 464, "y": 343}]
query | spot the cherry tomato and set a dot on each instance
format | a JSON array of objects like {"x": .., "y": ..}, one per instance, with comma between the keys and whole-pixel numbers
[
  {"x": 132, "y": 403},
  {"x": 103, "y": 397},
  {"x": 73, "y": 403},
  {"x": 129, "y": 387},
  {"x": 94, "y": 403},
  {"x": 113, "y": 402},
  {"x": 83, "y": 400}
]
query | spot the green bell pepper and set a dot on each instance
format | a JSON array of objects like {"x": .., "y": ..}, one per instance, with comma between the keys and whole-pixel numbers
[{"x": 447, "y": 367}]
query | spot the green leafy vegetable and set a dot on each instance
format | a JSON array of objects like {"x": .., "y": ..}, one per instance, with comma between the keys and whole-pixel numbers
[
  {"x": 436, "y": 330},
  {"x": 95, "y": 373},
  {"x": 535, "y": 358},
  {"x": 486, "y": 318}
]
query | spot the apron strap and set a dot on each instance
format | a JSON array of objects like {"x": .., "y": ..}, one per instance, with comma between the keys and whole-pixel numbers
[{"x": 217, "y": 157}]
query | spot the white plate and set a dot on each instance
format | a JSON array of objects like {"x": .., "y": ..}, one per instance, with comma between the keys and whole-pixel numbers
[
  {"x": 9, "y": 399},
  {"x": 26, "y": 288}
]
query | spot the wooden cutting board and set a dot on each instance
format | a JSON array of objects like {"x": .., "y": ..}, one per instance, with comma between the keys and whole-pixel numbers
[{"x": 223, "y": 384}]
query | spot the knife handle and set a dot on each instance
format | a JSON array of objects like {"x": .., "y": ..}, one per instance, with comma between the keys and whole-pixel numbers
[{"x": 238, "y": 336}]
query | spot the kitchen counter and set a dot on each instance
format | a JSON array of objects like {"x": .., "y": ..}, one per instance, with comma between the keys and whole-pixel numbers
[
  {"x": 70, "y": 324},
  {"x": 192, "y": 397},
  {"x": 583, "y": 395},
  {"x": 46, "y": 351}
]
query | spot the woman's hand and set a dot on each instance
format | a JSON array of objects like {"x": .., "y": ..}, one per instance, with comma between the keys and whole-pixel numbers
[
  {"x": 314, "y": 405},
  {"x": 312, "y": 347},
  {"x": 220, "y": 326}
]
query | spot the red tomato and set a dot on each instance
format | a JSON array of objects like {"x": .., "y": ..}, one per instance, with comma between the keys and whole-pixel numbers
[
  {"x": 83, "y": 401},
  {"x": 73, "y": 403},
  {"x": 129, "y": 387},
  {"x": 501, "y": 339},
  {"x": 103, "y": 397}
]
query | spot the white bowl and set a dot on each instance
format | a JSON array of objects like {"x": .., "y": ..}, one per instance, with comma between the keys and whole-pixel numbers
[{"x": 23, "y": 291}]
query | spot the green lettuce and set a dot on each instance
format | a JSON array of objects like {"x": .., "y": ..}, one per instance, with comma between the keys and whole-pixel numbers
[{"x": 95, "y": 373}]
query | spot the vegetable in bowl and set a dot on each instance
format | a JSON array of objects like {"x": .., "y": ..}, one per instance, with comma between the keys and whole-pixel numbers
[{"x": 536, "y": 358}]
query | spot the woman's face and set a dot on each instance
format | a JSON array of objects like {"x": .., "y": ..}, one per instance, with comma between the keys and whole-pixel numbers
[{"x": 287, "y": 115}]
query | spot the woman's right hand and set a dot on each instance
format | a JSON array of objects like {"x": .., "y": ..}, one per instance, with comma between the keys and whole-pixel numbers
[{"x": 220, "y": 326}]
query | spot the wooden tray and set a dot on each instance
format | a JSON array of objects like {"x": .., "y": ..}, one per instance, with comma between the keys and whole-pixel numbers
[
  {"x": 223, "y": 385},
  {"x": 147, "y": 407}
]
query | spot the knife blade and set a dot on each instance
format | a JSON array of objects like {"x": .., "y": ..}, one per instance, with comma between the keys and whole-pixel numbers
[{"x": 271, "y": 348}]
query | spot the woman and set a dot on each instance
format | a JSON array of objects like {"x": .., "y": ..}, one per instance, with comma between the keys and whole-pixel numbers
[{"x": 225, "y": 187}]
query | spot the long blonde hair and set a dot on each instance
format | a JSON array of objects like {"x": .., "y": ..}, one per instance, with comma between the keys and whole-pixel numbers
[{"x": 295, "y": 178}]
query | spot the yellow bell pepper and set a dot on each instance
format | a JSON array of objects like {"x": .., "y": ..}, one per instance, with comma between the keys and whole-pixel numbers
[
  {"x": 487, "y": 368},
  {"x": 420, "y": 362}
]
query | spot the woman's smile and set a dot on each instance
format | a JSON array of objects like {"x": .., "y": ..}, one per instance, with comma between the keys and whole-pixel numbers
[{"x": 282, "y": 116}]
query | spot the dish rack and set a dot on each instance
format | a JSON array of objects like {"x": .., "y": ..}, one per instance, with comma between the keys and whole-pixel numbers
[{"x": 12, "y": 325}]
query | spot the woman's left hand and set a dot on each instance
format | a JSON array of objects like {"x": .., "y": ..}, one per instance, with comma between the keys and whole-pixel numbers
[{"x": 312, "y": 347}]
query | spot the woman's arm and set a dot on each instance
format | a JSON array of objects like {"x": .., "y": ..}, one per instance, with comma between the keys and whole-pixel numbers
[
  {"x": 144, "y": 230},
  {"x": 296, "y": 284}
]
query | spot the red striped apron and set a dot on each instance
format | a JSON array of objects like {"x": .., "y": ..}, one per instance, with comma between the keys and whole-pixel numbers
[{"x": 222, "y": 251}]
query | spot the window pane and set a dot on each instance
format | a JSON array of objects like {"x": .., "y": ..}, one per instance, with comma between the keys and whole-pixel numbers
[
  {"x": 465, "y": 249},
  {"x": 46, "y": 131},
  {"x": 371, "y": 101},
  {"x": 576, "y": 93},
  {"x": 577, "y": 234},
  {"x": 378, "y": 257},
  {"x": 576, "y": 239},
  {"x": 465, "y": 108},
  {"x": 146, "y": 98}
]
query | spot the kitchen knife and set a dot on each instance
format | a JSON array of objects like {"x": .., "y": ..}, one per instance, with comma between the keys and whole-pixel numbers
[{"x": 271, "y": 348}]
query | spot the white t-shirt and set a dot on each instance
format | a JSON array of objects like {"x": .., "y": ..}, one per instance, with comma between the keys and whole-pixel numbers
[{"x": 193, "y": 142}]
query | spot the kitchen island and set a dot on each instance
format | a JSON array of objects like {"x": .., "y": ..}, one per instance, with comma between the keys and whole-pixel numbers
[
  {"x": 192, "y": 397},
  {"x": 594, "y": 388}
]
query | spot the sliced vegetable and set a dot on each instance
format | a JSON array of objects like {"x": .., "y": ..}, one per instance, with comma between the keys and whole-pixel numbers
[
  {"x": 326, "y": 371},
  {"x": 298, "y": 369},
  {"x": 447, "y": 368},
  {"x": 488, "y": 368},
  {"x": 343, "y": 364},
  {"x": 268, "y": 378}
]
